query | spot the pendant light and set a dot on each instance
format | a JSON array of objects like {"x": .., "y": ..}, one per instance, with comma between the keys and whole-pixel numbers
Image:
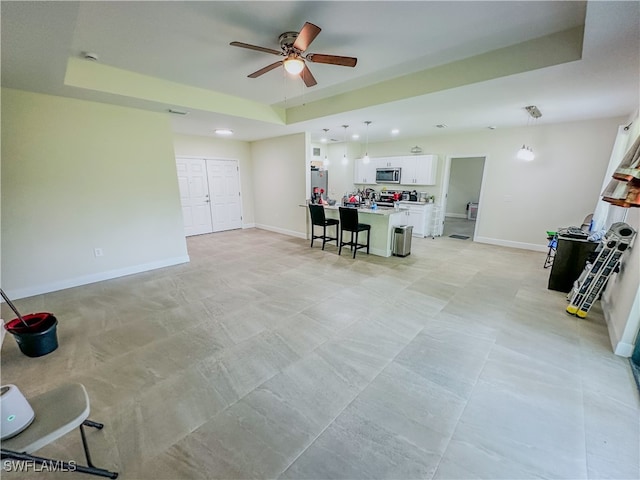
[
  {"x": 366, "y": 158},
  {"x": 526, "y": 152},
  {"x": 345, "y": 160},
  {"x": 325, "y": 162}
]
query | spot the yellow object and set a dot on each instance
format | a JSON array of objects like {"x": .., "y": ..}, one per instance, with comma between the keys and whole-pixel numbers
[
  {"x": 581, "y": 313},
  {"x": 572, "y": 309}
]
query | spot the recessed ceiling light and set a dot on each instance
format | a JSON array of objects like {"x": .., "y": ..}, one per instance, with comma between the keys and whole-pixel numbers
[
  {"x": 395, "y": 131},
  {"x": 323, "y": 140},
  {"x": 355, "y": 136},
  {"x": 223, "y": 131}
]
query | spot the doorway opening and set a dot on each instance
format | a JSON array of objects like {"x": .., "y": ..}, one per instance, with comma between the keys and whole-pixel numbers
[
  {"x": 463, "y": 186},
  {"x": 209, "y": 194}
]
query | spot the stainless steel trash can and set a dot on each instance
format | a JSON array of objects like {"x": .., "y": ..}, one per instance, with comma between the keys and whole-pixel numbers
[
  {"x": 402, "y": 240},
  {"x": 472, "y": 211}
]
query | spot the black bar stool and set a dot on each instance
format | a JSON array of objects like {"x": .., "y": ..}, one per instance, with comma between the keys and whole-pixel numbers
[
  {"x": 318, "y": 218},
  {"x": 349, "y": 222}
]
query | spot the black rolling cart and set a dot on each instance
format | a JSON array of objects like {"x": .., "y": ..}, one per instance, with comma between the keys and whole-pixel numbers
[{"x": 568, "y": 263}]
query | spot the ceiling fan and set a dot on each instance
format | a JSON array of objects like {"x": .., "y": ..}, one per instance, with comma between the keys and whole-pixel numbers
[{"x": 292, "y": 46}]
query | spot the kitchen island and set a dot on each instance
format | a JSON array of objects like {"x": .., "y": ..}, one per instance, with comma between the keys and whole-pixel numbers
[{"x": 382, "y": 221}]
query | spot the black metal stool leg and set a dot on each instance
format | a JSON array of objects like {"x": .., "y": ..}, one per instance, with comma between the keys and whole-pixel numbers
[
  {"x": 90, "y": 423},
  {"x": 324, "y": 235},
  {"x": 368, "y": 235},
  {"x": 57, "y": 464},
  {"x": 86, "y": 447}
]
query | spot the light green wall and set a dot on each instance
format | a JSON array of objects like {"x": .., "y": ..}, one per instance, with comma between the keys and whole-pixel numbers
[
  {"x": 80, "y": 175},
  {"x": 215, "y": 148},
  {"x": 279, "y": 183}
]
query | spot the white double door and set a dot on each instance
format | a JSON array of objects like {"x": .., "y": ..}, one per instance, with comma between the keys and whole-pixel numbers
[{"x": 210, "y": 195}]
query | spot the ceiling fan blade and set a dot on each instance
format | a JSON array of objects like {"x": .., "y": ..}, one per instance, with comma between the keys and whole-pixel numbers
[
  {"x": 308, "y": 33},
  {"x": 266, "y": 69},
  {"x": 332, "y": 59},
  {"x": 307, "y": 77},
  {"x": 256, "y": 47}
]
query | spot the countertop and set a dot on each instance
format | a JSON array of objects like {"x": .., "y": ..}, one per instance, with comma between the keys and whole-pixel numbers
[
  {"x": 377, "y": 211},
  {"x": 386, "y": 211}
]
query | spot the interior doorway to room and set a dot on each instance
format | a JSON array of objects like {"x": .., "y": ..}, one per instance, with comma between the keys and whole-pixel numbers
[
  {"x": 463, "y": 185},
  {"x": 210, "y": 195}
]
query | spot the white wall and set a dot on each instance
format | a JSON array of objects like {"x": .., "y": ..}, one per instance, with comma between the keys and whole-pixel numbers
[
  {"x": 522, "y": 200},
  {"x": 341, "y": 175},
  {"x": 464, "y": 184},
  {"x": 621, "y": 298},
  {"x": 280, "y": 178},
  {"x": 80, "y": 175},
  {"x": 226, "y": 149}
]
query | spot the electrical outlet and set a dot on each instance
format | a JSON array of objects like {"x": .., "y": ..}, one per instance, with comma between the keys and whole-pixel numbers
[{"x": 98, "y": 252}]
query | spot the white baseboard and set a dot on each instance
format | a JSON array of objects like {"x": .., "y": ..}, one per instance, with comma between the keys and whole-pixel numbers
[
  {"x": 94, "y": 277},
  {"x": 455, "y": 215},
  {"x": 512, "y": 244},
  {"x": 619, "y": 347},
  {"x": 283, "y": 231},
  {"x": 624, "y": 349},
  {"x": 248, "y": 225}
]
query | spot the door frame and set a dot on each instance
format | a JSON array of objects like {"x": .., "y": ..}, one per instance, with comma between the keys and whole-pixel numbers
[
  {"x": 446, "y": 177},
  {"x": 237, "y": 160}
]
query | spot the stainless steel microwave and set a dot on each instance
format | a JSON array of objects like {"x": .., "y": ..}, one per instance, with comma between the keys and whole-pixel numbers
[{"x": 387, "y": 175}]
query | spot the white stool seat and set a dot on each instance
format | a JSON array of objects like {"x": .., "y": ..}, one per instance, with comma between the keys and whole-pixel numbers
[{"x": 58, "y": 412}]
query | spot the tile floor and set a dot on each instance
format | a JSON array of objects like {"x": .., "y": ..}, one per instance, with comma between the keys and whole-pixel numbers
[
  {"x": 458, "y": 226},
  {"x": 263, "y": 358}
]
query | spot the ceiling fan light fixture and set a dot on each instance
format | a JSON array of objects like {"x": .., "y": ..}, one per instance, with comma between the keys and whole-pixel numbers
[{"x": 294, "y": 65}]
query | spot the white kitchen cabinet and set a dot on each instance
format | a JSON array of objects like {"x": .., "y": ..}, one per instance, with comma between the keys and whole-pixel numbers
[
  {"x": 364, "y": 172},
  {"x": 392, "y": 162},
  {"x": 419, "y": 170},
  {"x": 419, "y": 217}
]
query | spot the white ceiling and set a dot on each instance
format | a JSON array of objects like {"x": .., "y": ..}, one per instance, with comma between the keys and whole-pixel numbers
[{"x": 188, "y": 43}]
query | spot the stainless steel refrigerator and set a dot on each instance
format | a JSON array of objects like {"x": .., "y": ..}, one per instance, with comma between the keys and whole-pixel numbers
[{"x": 319, "y": 179}]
